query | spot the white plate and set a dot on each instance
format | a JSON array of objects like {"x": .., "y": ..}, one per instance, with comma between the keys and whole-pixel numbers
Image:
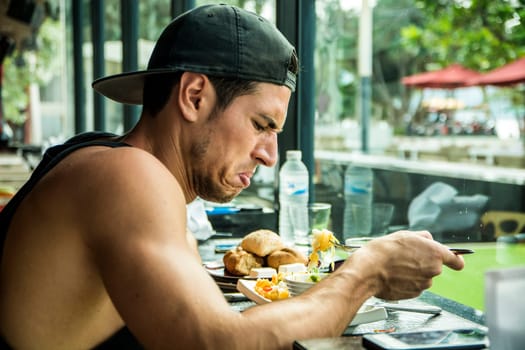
[
  {"x": 303, "y": 279},
  {"x": 369, "y": 313},
  {"x": 247, "y": 287},
  {"x": 366, "y": 314}
]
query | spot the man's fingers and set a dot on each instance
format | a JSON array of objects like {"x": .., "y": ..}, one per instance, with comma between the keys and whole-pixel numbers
[{"x": 452, "y": 260}]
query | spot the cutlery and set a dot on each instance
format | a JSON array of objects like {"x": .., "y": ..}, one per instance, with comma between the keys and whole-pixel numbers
[
  {"x": 214, "y": 265},
  {"x": 423, "y": 309},
  {"x": 352, "y": 247},
  {"x": 461, "y": 251}
]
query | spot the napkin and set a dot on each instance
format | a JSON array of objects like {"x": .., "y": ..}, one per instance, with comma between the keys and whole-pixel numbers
[{"x": 197, "y": 220}]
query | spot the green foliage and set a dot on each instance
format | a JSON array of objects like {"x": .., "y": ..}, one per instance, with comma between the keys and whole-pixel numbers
[
  {"x": 479, "y": 34},
  {"x": 410, "y": 36},
  {"x": 14, "y": 91},
  {"x": 336, "y": 60},
  {"x": 24, "y": 68}
]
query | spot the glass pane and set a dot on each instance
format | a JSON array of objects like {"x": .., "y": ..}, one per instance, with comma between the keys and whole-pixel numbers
[{"x": 457, "y": 140}]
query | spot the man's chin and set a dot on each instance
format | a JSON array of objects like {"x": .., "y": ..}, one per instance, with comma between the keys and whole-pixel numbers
[
  {"x": 222, "y": 198},
  {"x": 230, "y": 197}
]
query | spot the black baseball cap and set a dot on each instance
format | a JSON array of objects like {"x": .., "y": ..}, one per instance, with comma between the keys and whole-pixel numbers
[{"x": 219, "y": 40}]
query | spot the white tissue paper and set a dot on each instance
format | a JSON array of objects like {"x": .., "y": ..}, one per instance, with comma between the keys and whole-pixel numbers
[
  {"x": 197, "y": 220},
  {"x": 439, "y": 209}
]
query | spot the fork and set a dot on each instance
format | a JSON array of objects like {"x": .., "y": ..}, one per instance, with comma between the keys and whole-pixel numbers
[
  {"x": 352, "y": 247},
  {"x": 349, "y": 248}
]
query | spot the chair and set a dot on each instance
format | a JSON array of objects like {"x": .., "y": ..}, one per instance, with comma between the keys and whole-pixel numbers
[{"x": 504, "y": 222}]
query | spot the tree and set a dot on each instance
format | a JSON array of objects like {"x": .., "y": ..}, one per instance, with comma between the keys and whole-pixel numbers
[
  {"x": 33, "y": 61},
  {"x": 335, "y": 61},
  {"x": 391, "y": 58},
  {"x": 411, "y": 36},
  {"x": 337, "y": 36},
  {"x": 479, "y": 34}
]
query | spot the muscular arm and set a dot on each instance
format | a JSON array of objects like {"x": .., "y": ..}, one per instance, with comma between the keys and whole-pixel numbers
[
  {"x": 158, "y": 285},
  {"x": 192, "y": 241}
]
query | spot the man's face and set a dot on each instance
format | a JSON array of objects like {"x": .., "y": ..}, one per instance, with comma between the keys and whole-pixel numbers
[{"x": 238, "y": 139}]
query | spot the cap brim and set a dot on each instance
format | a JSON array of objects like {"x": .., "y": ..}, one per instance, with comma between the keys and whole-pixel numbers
[{"x": 125, "y": 87}]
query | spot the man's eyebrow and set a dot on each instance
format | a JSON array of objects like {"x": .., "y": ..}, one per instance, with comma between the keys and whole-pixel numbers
[{"x": 271, "y": 123}]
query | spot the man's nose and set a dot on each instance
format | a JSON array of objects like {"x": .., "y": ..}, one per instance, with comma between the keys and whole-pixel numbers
[{"x": 266, "y": 151}]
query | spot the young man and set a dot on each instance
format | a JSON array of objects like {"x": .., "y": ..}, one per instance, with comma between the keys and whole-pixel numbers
[{"x": 95, "y": 249}]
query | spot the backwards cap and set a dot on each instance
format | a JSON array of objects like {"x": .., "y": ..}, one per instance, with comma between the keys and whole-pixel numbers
[{"x": 219, "y": 40}]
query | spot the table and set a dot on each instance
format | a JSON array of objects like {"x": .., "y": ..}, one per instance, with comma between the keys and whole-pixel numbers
[{"x": 454, "y": 315}]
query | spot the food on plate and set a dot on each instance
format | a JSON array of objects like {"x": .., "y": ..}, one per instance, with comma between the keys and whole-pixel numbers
[
  {"x": 323, "y": 240},
  {"x": 263, "y": 272},
  {"x": 6, "y": 193},
  {"x": 262, "y": 242},
  {"x": 292, "y": 268},
  {"x": 284, "y": 256},
  {"x": 314, "y": 278},
  {"x": 239, "y": 262},
  {"x": 259, "y": 249},
  {"x": 274, "y": 289}
]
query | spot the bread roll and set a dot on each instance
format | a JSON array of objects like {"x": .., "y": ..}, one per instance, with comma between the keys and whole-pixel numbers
[
  {"x": 239, "y": 262},
  {"x": 262, "y": 242},
  {"x": 285, "y": 256}
]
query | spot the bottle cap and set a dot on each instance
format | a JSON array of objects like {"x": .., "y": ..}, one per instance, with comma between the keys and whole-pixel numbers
[{"x": 294, "y": 154}]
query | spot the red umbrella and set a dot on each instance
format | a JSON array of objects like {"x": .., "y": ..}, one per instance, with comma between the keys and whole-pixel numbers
[
  {"x": 509, "y": 74},
  {"x": 451, "y": 77}
]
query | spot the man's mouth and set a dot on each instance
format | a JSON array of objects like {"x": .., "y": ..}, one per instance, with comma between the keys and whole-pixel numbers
[{"x": 245, "y": 179}]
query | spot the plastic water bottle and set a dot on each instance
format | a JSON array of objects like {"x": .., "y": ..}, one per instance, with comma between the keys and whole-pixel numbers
[
  {"x": 293, "y": 200},
  {"x": 358, "y": 190}
]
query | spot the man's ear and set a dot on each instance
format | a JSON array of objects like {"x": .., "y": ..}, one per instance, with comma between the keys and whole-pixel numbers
[{"x": 195, "y": 96}]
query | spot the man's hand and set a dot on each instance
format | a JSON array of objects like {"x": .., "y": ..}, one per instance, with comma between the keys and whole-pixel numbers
[{"x": 404, "y": 263}]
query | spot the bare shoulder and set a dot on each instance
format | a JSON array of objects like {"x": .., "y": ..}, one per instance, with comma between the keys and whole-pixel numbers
[
  {"x": 104, "y": 171},
  {"x": 123, "y": 166},
  {"x": 123, "y": 188},
  {"x": 126, "y": 162}
]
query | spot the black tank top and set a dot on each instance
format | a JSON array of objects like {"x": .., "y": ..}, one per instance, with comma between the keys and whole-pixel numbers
[{"x": 123, "y": 339}]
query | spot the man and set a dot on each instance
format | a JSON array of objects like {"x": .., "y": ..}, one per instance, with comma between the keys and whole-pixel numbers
[{"x": 97, "y": 250}]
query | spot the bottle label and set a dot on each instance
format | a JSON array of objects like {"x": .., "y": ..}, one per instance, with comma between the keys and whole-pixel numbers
[
  {"x": 295, "y": 189},
  {"x": 358, "y": 188}
]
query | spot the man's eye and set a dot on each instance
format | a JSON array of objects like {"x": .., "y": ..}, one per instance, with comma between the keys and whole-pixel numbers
[{"x": 258, "y": 126}]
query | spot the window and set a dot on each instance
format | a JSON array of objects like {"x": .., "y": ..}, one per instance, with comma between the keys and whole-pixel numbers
[{"x": 465, "y": 140}]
